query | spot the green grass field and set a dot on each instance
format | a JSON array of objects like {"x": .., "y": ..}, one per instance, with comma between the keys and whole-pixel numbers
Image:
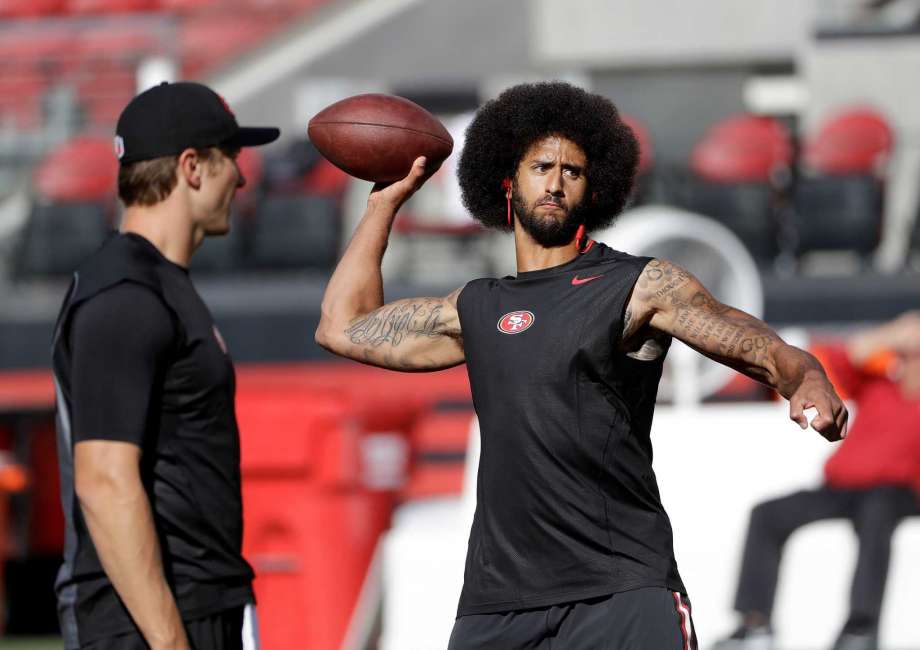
[{"x": 31, "y": 643}]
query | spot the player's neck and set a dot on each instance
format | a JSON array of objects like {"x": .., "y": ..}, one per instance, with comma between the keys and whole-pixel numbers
[
  {"x": 164, "y": 226},
  {"x": 532, "y": 256}
]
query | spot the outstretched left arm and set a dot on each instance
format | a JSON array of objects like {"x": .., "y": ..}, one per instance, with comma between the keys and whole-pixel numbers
[{"x": 669, "y": 299}]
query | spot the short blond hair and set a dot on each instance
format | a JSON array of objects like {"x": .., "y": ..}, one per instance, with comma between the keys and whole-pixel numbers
[{"x": 147, "y": 182}]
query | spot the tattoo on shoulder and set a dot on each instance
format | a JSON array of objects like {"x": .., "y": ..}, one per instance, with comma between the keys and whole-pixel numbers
[
  {"x": 398, "y": 321},
  {"x": 663, "y": 280}
]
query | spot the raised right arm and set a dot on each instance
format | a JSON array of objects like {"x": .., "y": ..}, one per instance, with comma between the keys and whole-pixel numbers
[{"x": 414, "y": 334}]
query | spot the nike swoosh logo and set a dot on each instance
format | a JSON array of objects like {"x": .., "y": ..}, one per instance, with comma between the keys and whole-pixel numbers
[{"x": 577, "y": 280}]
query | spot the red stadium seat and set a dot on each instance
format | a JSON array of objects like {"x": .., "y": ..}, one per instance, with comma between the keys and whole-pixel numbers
[
  {"x": 103, "y": 98},
  {"x": 855, "y": 141},
  {"x": 111, "y": 6},
  {"x": 187, "y": 6},
  {"x": 84, "y": 169},
  {"x": 325, "y": 178},
  {"x": 104, "y": 86},
  {"x": 21, "y": 100},
  {"x": 208, "y": 41},
  {"x": 34, "y": 46},
  {"x": 25, "y": 8},
  {"x": 646, "y": 148},
  {"x": 735, "y": 167},
  {"x": 839, "y": 200},
  {"x": 125, "y": 42},
  {"x": 742, "y": 148}
]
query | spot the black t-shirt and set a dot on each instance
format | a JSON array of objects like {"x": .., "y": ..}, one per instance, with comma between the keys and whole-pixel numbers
[
  {"x": 567, "y": 503},
  {"x": 138, "y": 359}
]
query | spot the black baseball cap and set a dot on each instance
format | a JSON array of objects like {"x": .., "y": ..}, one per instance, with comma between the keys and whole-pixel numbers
[{"x": 169, "y": 118}]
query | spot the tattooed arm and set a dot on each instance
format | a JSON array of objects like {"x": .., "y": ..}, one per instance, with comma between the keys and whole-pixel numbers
[
  {"x": 415, "y": 334},
  {"x": 668, "y": 299}
]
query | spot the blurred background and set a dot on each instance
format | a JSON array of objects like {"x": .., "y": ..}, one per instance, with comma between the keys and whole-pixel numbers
[{"x": 780, "y": 163}]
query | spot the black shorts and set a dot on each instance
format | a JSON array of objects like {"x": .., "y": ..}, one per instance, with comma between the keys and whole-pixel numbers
[
  {"x": 643, "y": 619},
  {"x": 221, "y": 631}
]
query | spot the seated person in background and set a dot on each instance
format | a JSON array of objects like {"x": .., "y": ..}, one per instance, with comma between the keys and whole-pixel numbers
[{"x": 872, "y": 479}]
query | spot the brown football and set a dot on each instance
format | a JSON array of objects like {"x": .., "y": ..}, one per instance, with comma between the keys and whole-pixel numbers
[{"x": 376, "y": 137}]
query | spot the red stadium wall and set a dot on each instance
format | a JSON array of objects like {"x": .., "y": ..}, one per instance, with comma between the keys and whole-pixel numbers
[{"x": 314, "y": 504}]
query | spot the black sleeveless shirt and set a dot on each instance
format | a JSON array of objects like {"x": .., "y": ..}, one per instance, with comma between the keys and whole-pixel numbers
[
  {"x": 187, "y": 431},
  {"x": 567, "y": 503}
]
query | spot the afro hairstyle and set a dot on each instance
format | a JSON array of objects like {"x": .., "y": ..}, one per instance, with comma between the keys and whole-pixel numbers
[{"x": 506, "y": 127}]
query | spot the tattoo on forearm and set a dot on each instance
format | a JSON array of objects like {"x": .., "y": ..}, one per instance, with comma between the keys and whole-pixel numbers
[
  {"x": 711, "y": 326},
  {"x": 732, "y": 336},
  {"x": 394, "y": 323},
  {"x": 703, "y": 320}
]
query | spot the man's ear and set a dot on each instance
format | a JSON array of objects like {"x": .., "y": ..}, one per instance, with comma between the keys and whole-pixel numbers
[{"x": 190, "y": 167}]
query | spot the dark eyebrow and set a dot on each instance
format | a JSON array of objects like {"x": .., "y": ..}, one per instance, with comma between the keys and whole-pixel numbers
[{"x": 574, "y": 168}]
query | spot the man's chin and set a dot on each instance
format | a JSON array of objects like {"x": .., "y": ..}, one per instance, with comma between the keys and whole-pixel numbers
[
  {"x": 549, "y": 220},
  {"x": 551, "y": 237}
]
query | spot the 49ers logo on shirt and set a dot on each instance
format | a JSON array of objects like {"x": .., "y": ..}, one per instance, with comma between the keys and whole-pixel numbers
[{"x": 515, "y": 322}]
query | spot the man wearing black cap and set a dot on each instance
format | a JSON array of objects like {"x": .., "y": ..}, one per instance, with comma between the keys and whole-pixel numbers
[{"x": 147, "y": 437}]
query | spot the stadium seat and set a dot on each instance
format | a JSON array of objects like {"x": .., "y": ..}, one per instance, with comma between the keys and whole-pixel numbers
[
  {"x": 84, "y": 169},
  {"x": 21, "y": 100},
  {"x": 287, "y": 169},
  {"x": 646, "y": 159},
  {"x": 646, "y": 149},
  {"x": 295, "y": 231},
  {"x": 838, "y": 213},
  {"x": 109, "y": 43},
  {"x": 187, "y": 6},
  {"x": 58, "y": 237},
  {"x": 111, "y": 6},
  {"x": 36, "y": 40},
  {"x": 736, "y": 169},
  {"x": 207, "y": 41},
  {"x": 746, "y": 208},
  {"x": 28, "y": 8},
  {"x": 838, "y": 199},
  {"x": 855, "y": 141},
  {"x": 742, "y": 148},
  {"x": 326, "y": 179}
]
